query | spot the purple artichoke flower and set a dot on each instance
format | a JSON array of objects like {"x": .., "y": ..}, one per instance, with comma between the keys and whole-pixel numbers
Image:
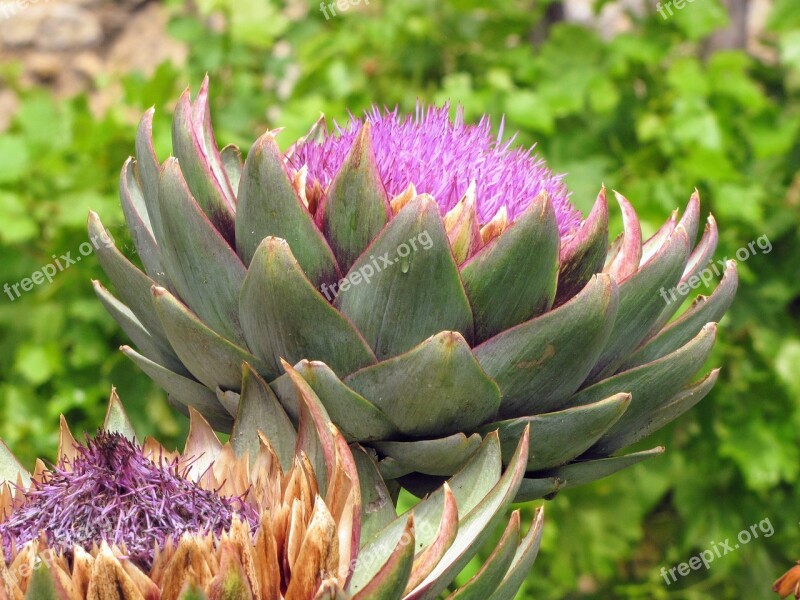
[
  {"x": 441, "y": 158},
  {"x": 111, "y": 492}
]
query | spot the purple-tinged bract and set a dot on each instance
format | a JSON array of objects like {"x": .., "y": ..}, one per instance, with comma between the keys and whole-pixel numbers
[
  {"x": 112, "y": 492},
  {"x": 441, "y": 157}
]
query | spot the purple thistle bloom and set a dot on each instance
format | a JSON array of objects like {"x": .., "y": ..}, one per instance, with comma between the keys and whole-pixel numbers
[
  {"x": 440, "y": 158},
  {"x": 113, "y": 493}
]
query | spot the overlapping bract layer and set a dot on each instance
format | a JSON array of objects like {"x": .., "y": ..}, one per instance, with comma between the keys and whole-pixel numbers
[
  {"x": 316, "y": 521},
  {"x": 525, "y": 320}
]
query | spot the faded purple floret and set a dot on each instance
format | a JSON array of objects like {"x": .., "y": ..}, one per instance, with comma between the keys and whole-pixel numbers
[
  {"x": 112, "y": 492},
  {"x": 440, "y": 158}
]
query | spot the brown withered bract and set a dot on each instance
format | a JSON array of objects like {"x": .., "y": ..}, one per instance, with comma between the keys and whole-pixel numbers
[{"x": 789, "y": 583}]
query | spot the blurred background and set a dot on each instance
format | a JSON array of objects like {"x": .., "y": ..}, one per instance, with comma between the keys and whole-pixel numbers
[{"x": 650, "y": 98}]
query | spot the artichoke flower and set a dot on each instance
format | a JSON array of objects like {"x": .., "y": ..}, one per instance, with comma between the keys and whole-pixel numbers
[
  {"x": 302, "y": 519},
  {"x": 429, "y": 282}
]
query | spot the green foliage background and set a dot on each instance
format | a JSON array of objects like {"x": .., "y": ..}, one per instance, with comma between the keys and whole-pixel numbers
[{"x": 648, "y": 113}]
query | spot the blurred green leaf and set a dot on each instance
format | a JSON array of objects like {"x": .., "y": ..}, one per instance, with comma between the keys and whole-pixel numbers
[
  {"x": 38, "y": 363},
  {"x": 700, "y": 18},
  {"x": 528, "y": 109},
  {"x": 16, "y": 225},
  {"x": 785, "y": 15},
  {"x": 14, "y": 158}
]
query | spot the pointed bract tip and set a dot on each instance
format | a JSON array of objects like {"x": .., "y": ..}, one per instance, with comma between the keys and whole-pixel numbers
[
  {"x": 623, "y": 399},
  {"x": 247, "y": 368},
  {"x": 544, "y": 202},
  {"x": 449, "y": 339},
  {"x": 407, "y": 195},
  {"x": 493, "y": 436},
  {"x": 146, "y": 121},
  {"x": 427, "y": 202},
  {"x": 267, "y": 140},
  {"x": 526, "y": 436},
  {"x": 362, "y": 146},
  {"x": 288, "y": 368},
  {"x": 496, "y": 226},
  {"x": 198, "y": 421},
  {"x": 604, "y": 279},
  {"x": 271, "y": 244},
  {"x": 679, "y": 232},
  {"x": 469, "y": 194},
  {"x": 364, "y": 136},
  {"x": 66, "y": 441},
  {"x": 117, "y": 419}
]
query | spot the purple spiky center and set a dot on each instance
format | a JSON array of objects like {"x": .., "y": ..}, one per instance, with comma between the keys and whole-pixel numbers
[
  {"x": 441, "y": 157},
  {"x": 112, "y": 492}
]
